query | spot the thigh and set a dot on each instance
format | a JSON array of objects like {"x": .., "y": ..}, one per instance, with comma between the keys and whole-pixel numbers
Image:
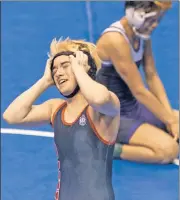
[
  {"x": 128, "y": 127},
  {"x": 148, "y": 117},
  {"x": 152, "y": 137}
]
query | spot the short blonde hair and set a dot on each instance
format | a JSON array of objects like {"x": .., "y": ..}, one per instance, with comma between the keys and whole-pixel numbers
[
  {"x": 165, "y": 5},
  {"x": 58, "y": 46}
]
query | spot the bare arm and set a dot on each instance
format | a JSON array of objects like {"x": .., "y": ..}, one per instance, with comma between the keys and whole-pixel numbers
[
  {"x": 120, "y": 54},
  {"x": 153, "y": 80},
  {"x": 22, "y": 110},
  {"x": 97, "y": 95}
]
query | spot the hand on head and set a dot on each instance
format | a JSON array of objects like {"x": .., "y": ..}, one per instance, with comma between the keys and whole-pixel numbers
[
  {"x": 47, "y": 73},
  {"x": 81, "y": 60}
]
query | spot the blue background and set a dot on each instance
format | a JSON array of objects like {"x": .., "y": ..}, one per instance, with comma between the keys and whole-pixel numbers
[
  {"x": 29, "y": 27},
  {"x": 29, "y": 167}
]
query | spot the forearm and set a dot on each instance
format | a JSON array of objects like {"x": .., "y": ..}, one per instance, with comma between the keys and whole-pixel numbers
[
  {"x": 152, "y": 103},
  {"x": 92, "y": 91},
  {"x": 22, "y": 105},
  {"x": 157, "y": 88}
]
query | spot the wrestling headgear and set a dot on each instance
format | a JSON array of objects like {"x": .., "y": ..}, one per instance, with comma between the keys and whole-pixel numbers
[
  {"x": 91, "y": 63},
  {"x": 138, "y": 11}
]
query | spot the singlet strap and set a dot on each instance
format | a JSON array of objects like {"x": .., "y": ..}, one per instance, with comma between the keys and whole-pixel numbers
[{"x": 53, "y": 115}]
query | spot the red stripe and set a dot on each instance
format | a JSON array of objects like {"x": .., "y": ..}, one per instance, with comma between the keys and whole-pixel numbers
[{"x": 59, "y": 177}]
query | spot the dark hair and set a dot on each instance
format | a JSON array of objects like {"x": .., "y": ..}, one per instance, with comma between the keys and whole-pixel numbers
[
  {"x": 91, "y": 62},
  {"x": 146, "y": 5}
]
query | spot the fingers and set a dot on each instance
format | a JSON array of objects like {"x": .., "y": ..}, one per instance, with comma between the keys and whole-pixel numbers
[
  {"x": 176, "y": 137},
  {"x": 174, "y": 130},
  {"x": 81, "y": 58},
  {"x": 48, "y": 62},
  {"x": 71, "y": 58}
]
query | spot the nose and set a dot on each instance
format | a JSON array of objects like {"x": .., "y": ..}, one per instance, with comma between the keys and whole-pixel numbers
[{"x": 60, "y": 71}]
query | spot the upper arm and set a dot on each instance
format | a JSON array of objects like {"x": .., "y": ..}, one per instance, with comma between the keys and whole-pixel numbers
[
  {"x": 148, "y": 61},
  {"x": 120, "y": 55},
  {"x": 110, "y": 106},
  {"x": 41, "y": 113}
]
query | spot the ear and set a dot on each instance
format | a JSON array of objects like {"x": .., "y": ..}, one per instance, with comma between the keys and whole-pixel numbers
[
  {"x": 129, "y": 14},
  {"x": 135, "y": 17}
]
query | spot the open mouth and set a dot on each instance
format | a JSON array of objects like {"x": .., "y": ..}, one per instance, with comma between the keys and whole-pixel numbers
[{"x": 62, "y": 81}]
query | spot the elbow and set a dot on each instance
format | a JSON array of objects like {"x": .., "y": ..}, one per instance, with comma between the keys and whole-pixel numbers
[{"x": 9, "y": 119}]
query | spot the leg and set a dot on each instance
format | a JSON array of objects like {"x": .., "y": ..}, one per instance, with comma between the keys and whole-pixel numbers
[
  {"x": 151, "y": 145},
  {"x": 144, "y": 142}
]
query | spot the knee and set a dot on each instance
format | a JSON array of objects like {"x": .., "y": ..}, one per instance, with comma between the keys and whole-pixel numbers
[{"x": 167, "y": 152}]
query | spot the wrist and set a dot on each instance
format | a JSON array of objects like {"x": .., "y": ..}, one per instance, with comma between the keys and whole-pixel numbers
[
  {"x": 79, "y": 71},
  {"x": 78, "y": 68},
  {"x": 44, "y": 84}
]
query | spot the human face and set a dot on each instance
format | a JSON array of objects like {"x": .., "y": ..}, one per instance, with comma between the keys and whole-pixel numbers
[
  {"x": 151, "y": 23},
  {"x": 63, "y": 75}
]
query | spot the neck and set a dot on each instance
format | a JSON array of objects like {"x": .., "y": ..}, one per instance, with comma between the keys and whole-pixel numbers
[
  {"x": 129, "y": 30},
  {"x": 77, "y": 101}
]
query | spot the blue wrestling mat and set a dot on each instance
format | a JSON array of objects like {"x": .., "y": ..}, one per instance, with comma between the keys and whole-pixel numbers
[
  {"x": 29, "y": 165},
  {"x": 29, "y": 171}
]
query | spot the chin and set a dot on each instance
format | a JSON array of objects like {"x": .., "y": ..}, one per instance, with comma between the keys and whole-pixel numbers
[{"x": 65, "y": 92}]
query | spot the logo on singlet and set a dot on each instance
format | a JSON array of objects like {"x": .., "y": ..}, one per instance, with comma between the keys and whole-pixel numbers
[{"x": 82, "y": 120}]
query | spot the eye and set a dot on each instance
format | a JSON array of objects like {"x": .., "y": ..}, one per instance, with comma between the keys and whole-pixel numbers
[{"x": 65, "y": 65}]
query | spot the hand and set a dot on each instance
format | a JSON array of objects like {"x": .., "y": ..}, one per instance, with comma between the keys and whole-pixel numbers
[
  {"x": 47, "y": 73},
  {"x": 174, "y": 129},
  {"x": 81, "y": 60}
]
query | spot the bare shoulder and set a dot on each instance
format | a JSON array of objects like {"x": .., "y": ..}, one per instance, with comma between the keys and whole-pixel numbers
[
  {"x": 117, "y": 43},
  {"x": 111, "y": 43},
  {"x": 111, "y": 39},
  {"x": 55, "y": 103}
]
